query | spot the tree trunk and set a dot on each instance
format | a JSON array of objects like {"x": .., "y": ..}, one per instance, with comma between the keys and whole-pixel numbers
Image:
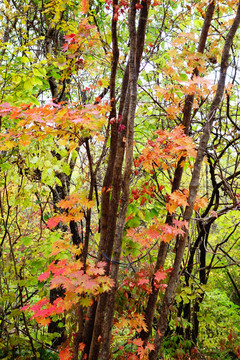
[
  {"x": 193, "y": 188},
  {"x": 187, "y": 111}
]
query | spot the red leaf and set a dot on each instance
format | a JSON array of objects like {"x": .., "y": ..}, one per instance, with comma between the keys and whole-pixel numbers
[
  {"x": 65, "y": 354},
  {"x": 150, "y": 346},
  {"x": 69, "y": 38},
  {"x": 160, "y": 275},
  {"x": 53, "y": 222},
  {"x": 44, "y": 276},
  {"x": 65, "y": 47},
  {"x": 81, "y": 346},
  {"x": 138, "y": 342}
]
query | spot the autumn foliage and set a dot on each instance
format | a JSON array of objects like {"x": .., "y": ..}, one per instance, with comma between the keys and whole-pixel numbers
[{"x": 119, "y": 187}]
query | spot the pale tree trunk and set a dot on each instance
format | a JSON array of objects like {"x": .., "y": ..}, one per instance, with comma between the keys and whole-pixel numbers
[
  {"x": 187, "y": 112},
  {"x": 193, "y": 188}
]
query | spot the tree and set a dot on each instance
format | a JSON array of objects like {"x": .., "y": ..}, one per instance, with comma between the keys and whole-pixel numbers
[{"x": 68, "y": 164}]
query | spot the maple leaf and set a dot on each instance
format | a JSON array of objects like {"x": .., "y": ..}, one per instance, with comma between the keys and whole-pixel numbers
[
  {"x": 96, "y": 271},
  {"x": 200, "y": 203},
  {"x": 122, "y": 323},
  {"x": 44, "y": 276},
  {"x": 101, "y": 264},
  {"x": 54, "y": 221},
  {"x": 86, "y": 301},
  {"x": 78, "y": 216},
  {"x": 138, "y": 342},
  {"x": 81, "y": 346},
  {"x": 36, "y": 307},
  {"x": 160, "y": 275},
  {"x": 150, "y": 346},
  {"x": 65, "y": 47},
  {"x": 180, "y": 224},
  {"x": 153, "y": 233},
  {"x": 89, "y": 284},
  {"x": 69, "y": 38},
  {"x": 137, "y": 322},
  {"x": 171, "y": 206},
  {"x": 214, "y": 214},
  {"x": 43, "y": 321},
  {"x": 143, "y": 281},
  {"x": 65, "y": 354},
  {"x": 176, "y": 199},
  {"x": 179, "y": 197},
  {"x": 57, "y": 281}
]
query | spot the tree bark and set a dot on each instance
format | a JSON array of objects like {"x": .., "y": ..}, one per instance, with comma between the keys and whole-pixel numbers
[
  {"x": 120, "y": 183},
  {"x": 193, "y": 188},
  {"x": 187, "y": 111}
]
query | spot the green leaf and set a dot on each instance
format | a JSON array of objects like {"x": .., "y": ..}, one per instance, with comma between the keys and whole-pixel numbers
[
  {"x": 5, "y": 166},
  {"x": 36, "y": 72},
  {"x": 134, "y": 222},
  {"x": 26, "y": 241},
  {"x": 66, "y": 168},
  {"x": 183, "y": 77},
  {"x": 28, "y": 85},
  {"x": 58, "y": 181},
  {"x": 25, "y": 59}
]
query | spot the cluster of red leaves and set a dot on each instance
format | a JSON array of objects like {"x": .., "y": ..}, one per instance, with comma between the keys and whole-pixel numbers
[
  {"x": 133, "y": 321},
  {"x": 145, "y": 193},
  {"x": 166, "y": 149},
  {"x": 140, "y": 350},
  {"x": 159, "y": 278},
  {"x": 123, "y": 5},
  {"x": 163, "y": 232},
  {"x": 80, "y": 286},
  {"x": 75, "y": 42},
  {"x": 66, "y": 352},
  {"x": 139, "y": 284},
  {"x": 118, "y": 9},
  {"x": 176, "y": 199},
  {"x": 160, "y": 154},
  {"x": 79, "y": 47},
  {"x": 134, "y": 289}
]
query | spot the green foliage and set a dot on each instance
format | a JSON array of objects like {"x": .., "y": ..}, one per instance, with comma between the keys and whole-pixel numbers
[
  {"x": 22, "y": 353},
  {"x": 218, "y": 316}
]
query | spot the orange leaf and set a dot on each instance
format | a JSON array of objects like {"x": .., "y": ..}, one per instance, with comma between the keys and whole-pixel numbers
[
  {"x": 43, "y": 321},
  {"x": 65, "y": 354},
  {"x": 138, "y": 342}
]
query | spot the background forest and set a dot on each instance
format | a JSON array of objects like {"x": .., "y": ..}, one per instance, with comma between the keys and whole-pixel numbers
[{"x": 120, "y": 179}]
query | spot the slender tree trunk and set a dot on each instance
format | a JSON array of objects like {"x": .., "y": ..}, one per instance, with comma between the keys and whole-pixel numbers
[
  {"x": 193, "y": 188},
  {"x": 187, "y": 111},
  {"x": 120, "y": 183},
  {"x": 133, "y": 76}
]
